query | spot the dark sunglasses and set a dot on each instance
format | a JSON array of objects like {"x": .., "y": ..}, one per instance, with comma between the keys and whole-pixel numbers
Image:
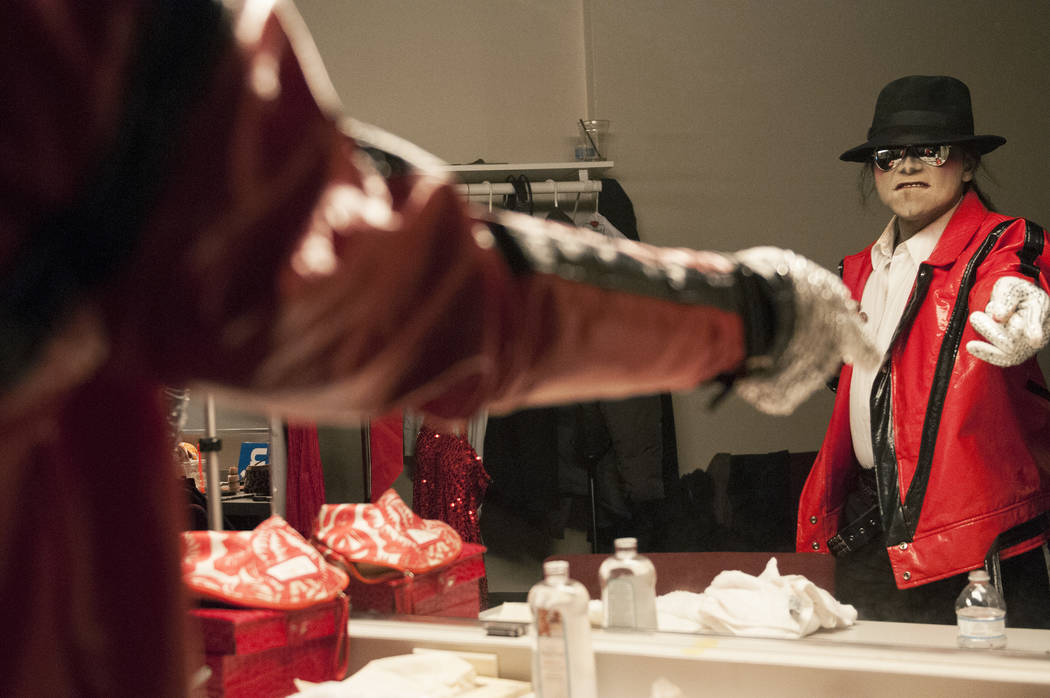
[{"x": 888, "y": 158}]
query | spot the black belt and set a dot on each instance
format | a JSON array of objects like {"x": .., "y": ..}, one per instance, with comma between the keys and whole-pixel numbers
[{"x": 856, "y": 534}]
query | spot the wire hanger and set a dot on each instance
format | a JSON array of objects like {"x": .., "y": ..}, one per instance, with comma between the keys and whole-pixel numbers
[{"x": 556, "y": 214}]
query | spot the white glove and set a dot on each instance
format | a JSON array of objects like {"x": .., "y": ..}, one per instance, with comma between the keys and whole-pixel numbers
[
  {"x": 1016, "y": 323},
  {"x": 828, "y": 331}
]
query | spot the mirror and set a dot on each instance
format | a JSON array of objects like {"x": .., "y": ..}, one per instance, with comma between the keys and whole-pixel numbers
[{"x": 725, "y": 136}]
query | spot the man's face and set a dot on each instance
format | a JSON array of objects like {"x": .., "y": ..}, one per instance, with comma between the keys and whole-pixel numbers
[{"x": 920, "y": 193}]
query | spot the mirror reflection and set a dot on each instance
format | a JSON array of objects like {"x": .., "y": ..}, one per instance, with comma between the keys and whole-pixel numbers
[
  {"x": 665, "y": 469},
  {"x": 696, "y": 165}
]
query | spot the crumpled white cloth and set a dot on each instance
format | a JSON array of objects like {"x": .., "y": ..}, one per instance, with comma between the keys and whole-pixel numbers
[
  {"x": 769, "y": 605},
  {"x": 431, "y": 675}
]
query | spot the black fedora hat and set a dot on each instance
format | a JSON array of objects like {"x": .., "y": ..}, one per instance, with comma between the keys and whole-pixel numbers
[{"x": 922, "y": 109}]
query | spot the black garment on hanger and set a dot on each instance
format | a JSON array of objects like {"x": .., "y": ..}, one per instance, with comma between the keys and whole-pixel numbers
[
  {"x": 559, "y": 216},
  {"x": 539, "y": 458},
  {"x": 615, "y": 205}
]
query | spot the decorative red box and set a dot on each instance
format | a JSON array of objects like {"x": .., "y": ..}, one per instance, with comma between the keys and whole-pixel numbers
[
  {"x": 257, "y": 653},
  {"x": 452, "y": 590}
]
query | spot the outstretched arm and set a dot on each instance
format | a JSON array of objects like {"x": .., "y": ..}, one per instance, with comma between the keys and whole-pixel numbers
[{"x": 325, "y": 269}]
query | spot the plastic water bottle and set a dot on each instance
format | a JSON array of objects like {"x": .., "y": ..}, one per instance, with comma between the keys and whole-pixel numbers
[
  {"x": 562, "y": 655},
  {"x": 628, "y": 582},
  {"x": 981, "y": 613}
]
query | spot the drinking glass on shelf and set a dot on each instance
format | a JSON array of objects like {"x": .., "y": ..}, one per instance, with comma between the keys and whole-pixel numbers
[{"x": 593, "y": 134}]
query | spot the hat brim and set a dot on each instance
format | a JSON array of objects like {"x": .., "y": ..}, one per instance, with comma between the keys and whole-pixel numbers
[{"x": 861, "y": 153}]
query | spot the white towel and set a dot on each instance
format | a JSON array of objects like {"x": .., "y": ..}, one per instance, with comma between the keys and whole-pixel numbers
[
  {"x": 769, "y": 605},
  {"x": 438, "y": 675},
  {"x": 423, "y": 674}
]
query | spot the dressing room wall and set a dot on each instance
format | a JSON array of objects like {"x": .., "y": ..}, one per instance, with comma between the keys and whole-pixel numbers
[
  {"x": 727, "y": 116},
  {"x": 464, "y": 79}
]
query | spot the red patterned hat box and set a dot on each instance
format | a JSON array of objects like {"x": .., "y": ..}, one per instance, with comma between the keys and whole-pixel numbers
[
  {"x": 453, "y": 590},
  {"x": 257, "y": 653}
]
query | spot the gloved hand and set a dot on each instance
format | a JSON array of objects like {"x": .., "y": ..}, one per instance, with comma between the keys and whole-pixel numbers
[
  {"x": 1016, "y": 323},
  {"x": 827, "y": 331}
]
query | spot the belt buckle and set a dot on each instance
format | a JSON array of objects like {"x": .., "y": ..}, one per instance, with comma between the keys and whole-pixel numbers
[{"x": 838, "y": 545}]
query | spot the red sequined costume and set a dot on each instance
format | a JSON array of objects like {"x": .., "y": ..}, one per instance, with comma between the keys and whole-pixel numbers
[
  {"x": 449, "y": 485},
  {"x": 449, "y": 482},
  {"x": 271, "y": 262}
]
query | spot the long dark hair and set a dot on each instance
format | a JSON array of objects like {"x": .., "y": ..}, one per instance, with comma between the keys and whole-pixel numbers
[{"x": 866, "y": 181}]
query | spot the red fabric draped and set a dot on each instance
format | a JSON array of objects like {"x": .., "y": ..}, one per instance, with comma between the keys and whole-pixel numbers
[
  {"x": 305, "y": 488},
  {"x": 386, "y": 446}
]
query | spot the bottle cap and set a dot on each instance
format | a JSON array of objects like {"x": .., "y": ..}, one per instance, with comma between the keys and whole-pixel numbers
[
  {"x": 979, "y": 575},
  {"x": 621, "y": 543},
  {"x": 556, "y": 568}
]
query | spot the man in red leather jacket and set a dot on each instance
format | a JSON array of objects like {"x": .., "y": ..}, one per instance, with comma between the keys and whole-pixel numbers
[
  {"x": 951, "y": 462},
  {"x": 182, "y": 203}
]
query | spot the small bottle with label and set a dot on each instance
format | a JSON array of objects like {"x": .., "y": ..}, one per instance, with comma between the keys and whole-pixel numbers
[
  {"x": 562, "y": 655},
  {"x": 233, "y": 480},
  {"x": 981, "y": 613},
  {"x": 628, "y": 582}
]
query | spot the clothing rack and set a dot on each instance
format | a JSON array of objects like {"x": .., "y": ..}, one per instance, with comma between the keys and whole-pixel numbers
[
  {"x": 485, "y": 179},
  {"x": 549, "y": 186}
]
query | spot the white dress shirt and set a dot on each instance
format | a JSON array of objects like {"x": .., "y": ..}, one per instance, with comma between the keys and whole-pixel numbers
[{"x": 885, "y": 295}]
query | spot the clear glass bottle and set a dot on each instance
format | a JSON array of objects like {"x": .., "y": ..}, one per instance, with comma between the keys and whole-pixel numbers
[
  {"x": 562, "y": 655},
  {"x": 981, "y": 614},
  {"x": 628, "y": 582}
]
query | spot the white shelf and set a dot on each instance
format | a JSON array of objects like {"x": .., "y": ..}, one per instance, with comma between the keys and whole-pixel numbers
[
  {"x": 898, "y": 658},
  {"x": 535, "y": 171}
]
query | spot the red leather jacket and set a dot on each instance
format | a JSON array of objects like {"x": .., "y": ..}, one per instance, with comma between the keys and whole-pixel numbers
[
  {"x": 962, "y": 448},
  {"x": 268, "y": 257}
]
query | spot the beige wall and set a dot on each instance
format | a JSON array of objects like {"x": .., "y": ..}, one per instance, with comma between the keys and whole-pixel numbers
[
  {"x": 727, "y": 115},
  {"x": 465, "y": 79}
]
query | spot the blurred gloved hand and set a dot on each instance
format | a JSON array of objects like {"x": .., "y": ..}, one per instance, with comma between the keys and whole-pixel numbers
[
  {"x": 1016, "y": 323},
  {"x": 827, "y": 331}
]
